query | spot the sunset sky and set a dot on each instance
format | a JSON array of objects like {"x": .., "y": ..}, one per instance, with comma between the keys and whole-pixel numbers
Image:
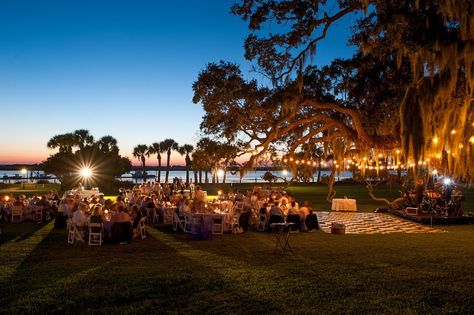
[{"x": 119, "y": 68}]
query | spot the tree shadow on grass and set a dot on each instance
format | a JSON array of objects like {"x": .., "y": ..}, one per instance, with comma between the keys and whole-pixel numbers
[
  {"x": 18, "y": 231},
  {"x": 152, "y": 275}
]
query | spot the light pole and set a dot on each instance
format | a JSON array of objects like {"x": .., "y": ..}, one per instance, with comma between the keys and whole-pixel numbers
[{"x": 24, "y": 171}]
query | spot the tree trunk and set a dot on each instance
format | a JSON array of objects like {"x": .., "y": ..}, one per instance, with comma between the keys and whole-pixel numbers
[
  {"x": 195, "y": 176},
  {"x": 168, "y": 166},
  {"x": 200, "y": 176},
  {"x": 225, "y": 175},
  {"x": 187, "y": 173},
  {"x": 144, "y": 172},
  {"x": 331, "y": 192},
  {"x": 206, "y": 176},
  {"x": 319, "y": 172},
  {"x": 159, "y": 168}
]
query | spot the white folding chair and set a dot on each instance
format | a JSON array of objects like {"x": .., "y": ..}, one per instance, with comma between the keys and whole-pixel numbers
[
  {"x": 71, "y": 232},
  {"x": 74, "y": 234},
  {"x": 17, "y": 214},
  {"x": 238, "y": 207},
  {"x": 188, "y": 223},
  {"x": 95, "y": 233},
  {"x": 141, "y": 228},
  {"x": 217, "y": 224},
  {"x": 178, "y": 222}
]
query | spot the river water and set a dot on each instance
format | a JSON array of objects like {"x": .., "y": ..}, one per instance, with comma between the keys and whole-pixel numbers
[{"x": 7, "y": 176}]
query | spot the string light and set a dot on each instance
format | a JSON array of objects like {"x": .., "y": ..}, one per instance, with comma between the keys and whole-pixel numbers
[
  {"x": 453, "y": 132},
  {"x": 435, "y": 140}
]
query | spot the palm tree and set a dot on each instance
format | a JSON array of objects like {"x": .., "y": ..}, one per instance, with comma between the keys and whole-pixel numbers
[
  {"x": 155, "y": 148},
  {"x": 167, "y": 146},
  {"x": 186, "y": 149},
  {"x": 139, "y": 152},
  {"x": 107, "y": 144},
  {"x": 83, "y": 138},
  {"x": 64, "y": 142}
]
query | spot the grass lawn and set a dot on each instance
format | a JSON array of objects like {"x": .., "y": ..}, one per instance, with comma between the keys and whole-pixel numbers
[{"x": 170, "y": 273}]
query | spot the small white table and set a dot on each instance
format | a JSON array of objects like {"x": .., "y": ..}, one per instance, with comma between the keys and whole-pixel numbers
[{"x": 344, "y": 205}]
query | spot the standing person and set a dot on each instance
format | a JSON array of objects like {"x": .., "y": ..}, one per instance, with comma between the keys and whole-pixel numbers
[
  {"x": 419, "y": 190},
  {"x": 199, "y": 197}
]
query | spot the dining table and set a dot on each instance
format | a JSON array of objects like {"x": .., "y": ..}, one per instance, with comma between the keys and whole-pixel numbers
[{"x": 343, "y": 204}]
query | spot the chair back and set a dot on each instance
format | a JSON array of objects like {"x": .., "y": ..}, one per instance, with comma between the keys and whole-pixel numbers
[
  {"x": 17, "y": 214},
  {"x": 95, "y": 233}
]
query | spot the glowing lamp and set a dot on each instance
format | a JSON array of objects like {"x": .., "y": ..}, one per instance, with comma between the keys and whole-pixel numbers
[
  {"x": 285, "y": 172},
  {"x": 86, "y": 172},
  {"x": 435, "y": 140},
  {"x": 24, "y": 170},
  {"x": 453, "y": 132},
  {"x": 471, "y": 139},
  {"x": 434, "y": 172},
  {"x": 7, "y": 198},
  {"x": 447, "y": 181},
  {"x": 220, "y": 172}
]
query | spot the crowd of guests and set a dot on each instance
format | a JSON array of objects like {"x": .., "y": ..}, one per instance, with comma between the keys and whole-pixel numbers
[
  {"x": 148, "y": 200},
  {"x": 262, "y": 208},
  {"x": 48, "y": 203}
]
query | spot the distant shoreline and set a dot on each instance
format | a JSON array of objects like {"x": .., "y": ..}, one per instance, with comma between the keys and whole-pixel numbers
[{"x": 18, "y": 167}]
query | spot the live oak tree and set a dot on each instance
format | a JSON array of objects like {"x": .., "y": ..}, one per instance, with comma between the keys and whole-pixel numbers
[
  {"x": 407, "y": 91},
  {"x": 434, "y": 38}
]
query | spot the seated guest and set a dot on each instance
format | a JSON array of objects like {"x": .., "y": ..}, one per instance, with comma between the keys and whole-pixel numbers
[
  {"x": 311, "y": 221},
  {"x": 199, "y": 199},
  {"x": 239, "y": 196},
  {"x": 244, "y": 218},
  {"x": 96, "y": 216},
  {"x": 185, "y": 208},
  {"x": 456, "y": 194},
  {"x": 136, "y": 215},
  {"x": 121, "y": 215},
  {"x": 45, "y": 205},
  {"x": 121, "y": 226},
  {"x": 276, "y": 214},
  {"x": 294, "y": 216},
  {"x": 304, "y": 210},
  {"x": 79, "y": 218}
]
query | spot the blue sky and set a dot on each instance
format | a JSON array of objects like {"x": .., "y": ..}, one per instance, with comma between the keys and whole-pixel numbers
[{"x": 120, "y": 68}]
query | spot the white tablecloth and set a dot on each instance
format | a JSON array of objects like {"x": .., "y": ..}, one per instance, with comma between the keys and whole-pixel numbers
[{"x": 344, "y": 205}]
